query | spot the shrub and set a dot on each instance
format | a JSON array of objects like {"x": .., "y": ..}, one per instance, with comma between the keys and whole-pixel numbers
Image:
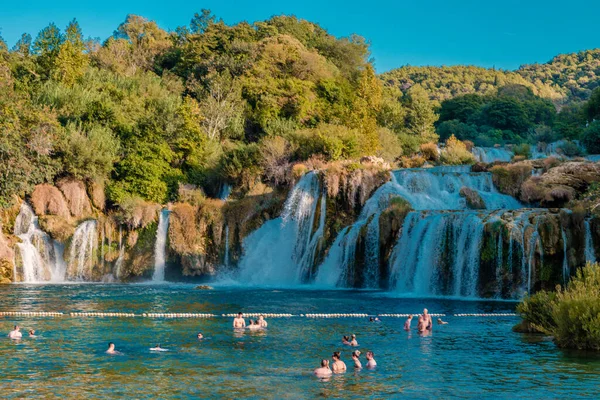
[
  {"x": 509, "y": 178},
  {"x": 456, "y": 153},
  {"x": 536, "y": 311},
  {"x": 414, "y": 161},
  {"x": 275, "y": 152},
  {"x": 522, "y": 150},
  {"x": 591, "y": 138},
  {"x": 430, "y": 151},
  {"x": 571, "y": 149},
  {"x": 390, "y": 147}
]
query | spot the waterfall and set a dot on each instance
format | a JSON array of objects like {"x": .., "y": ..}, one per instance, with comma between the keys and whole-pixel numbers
[
  {"x": 119, "y": 262},
  {"x": 590, "y": 255},
  {"x": 41, "y": 257},
  {"x": 492, "y": 154},
  {"x": 499, "y": 264},
  {"x": 566, "y": 269},
  {"x": 160, "y": 246},
  {"x": 282, "y": 250},
  {"x": 225, "y": 191},
  {"x": 226, "y": 257},
  {"x": 83, "y": 246},
  {"x": 434, "y": 245}
]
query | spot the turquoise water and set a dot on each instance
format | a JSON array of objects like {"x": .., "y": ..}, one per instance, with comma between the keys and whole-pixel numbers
[{"x": 469, "y": 358}]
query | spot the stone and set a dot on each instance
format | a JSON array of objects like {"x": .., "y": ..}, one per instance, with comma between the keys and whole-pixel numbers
[{"x": 474, "y": 200}]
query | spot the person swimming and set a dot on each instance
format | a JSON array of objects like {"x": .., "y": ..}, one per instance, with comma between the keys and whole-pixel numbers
[
  {"x": 324, "y": 371},
  {"x": 371, "y": 363},
  {"x": 346, "y": 340},
  {"x": 15, "y": 334},
  {"x": 32, "y": 333},
  {"x": 353, "y": 342},
  {"x": 254, "y": 325},
  {"x": 111, "y": 349},
  {"x": 408, "y": 322},
  {"x": 356, "y": 359},
  {"x": 262, "y": 322},
  {"x": 440, "y": 322},
  {"x": 200, "y": 336},
  {"x": 158, "y": 348},
  {"x": 239, "y": 322},
  {"x": 338, "y": 365}
]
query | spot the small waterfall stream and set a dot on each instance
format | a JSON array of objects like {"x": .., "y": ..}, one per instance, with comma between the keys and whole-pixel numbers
[
  {"x": 566, "y": 269},
  {"x": 82, "y": 253},
  {"x": 282, "y": 250},
  {"x": 492, "y": 154},
  {"x": 119, "y": 262},
  {"x": 160, "y": 246},
  {"x": 590, "y": 255}
]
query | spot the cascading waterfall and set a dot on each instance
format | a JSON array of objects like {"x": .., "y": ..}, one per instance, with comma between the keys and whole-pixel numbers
[
  {"x": 499, "y": 264},
  {"x": 41, "y": 257},
  {"x": 566, "y": 269},
  {"x": 83, "y": 247},
  {"x": 492, "y": 154},
  {"x": 590, "y": 255},
  {"x": 119, "y": 262},
  {"x": 160, "y": 246},
  {"x": 282, "y": 250},
  {"x": 226, "y": 257},
  {"x": 225, "y": 191}
]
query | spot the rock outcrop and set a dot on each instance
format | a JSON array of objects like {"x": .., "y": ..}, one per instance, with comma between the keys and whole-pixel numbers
[{"x": 473, "y": 198}]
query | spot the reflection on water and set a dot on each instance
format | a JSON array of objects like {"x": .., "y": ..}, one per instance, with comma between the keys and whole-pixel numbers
[{"x": 470, "y": 357}]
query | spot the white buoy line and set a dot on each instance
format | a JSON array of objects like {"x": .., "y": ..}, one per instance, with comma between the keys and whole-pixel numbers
[{"x": 230, "y": 315}]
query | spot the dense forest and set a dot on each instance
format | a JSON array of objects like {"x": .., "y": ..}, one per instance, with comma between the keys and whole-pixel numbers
[{"x": 148, "y": 111}]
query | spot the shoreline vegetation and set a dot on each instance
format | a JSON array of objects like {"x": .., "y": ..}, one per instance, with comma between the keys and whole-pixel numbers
[{"x": 571, "y": 315}]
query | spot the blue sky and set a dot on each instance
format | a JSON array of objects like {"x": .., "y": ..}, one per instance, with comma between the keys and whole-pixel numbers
[{"x": 504, "y": 34}]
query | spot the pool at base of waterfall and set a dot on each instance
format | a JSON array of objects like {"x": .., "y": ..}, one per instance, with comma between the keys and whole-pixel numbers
[{"x": 471, "y": 357}]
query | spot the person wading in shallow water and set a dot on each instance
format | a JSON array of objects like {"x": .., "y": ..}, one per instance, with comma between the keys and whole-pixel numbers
[
  {"x": 239, "y": 322},
  {"x": 324, "y": 370},
  {"x": 371, "y": 363},
  {"x": 356, "y": 359},
  {"x": 427, "y": 320},
  {"x": 338, "y": 365},
  {"x": 15, "y": 333},
  {"x": 262, "y": 322},
  {"x": 111, "y": 349}
]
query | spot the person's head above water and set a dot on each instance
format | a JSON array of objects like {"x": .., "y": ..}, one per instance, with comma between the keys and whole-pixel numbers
[
  {"x": 17, "y": 328},
  {"x": 425, "y": 312},
  {"x": 324, "y": 363},
  {"x": 356, "y": 353},
  {"x": 336, "y": 355},
  {"x": 31, "y": 332},
  {"x": 111, "y": 346},
  {"x": 345, "y": 338},
  {"x": 370, "y": 355},
  {"x": 353, "y": 336},
  {"x": 261, "y": 317},
  {"x": 200, "y": 336},
  {"x": 410, "y": 316},
  {"x": 240, "y": 315}
]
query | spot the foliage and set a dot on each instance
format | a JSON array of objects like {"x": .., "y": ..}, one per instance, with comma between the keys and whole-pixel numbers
[
  {"x": 536, "y": 311},
  {"x": 522, "y": 150},
  {"x": 591, "y": 138},
  {"x": 455, "y": 153}
]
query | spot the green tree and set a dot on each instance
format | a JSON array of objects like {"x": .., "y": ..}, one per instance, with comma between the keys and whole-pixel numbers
[
  {"x": 591, "y": 138},
  {"x": 71, "y": 61},
  {"x": 46, "y": 47},
  {"x": 23, "y": 45},
  {"x": 592, "y": 107},
  {"x": 421, "y": 115},
  {"x": 202, "y": 21}
]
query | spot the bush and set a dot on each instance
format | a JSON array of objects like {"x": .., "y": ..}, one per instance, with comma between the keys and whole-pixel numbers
[
  {"x": 536, "y": 312},
  {"x": 430, "y": 151},
  {"x": 522, "y": 150},
  {"x": 572, "y": 315},
  {"x": 591, "y": 138},
  {"x": 456, "y": 153},
  {"x": 390, "y": 146},
  {"x": 509, "y": 178},
  {"x": 571, "y": 149}
]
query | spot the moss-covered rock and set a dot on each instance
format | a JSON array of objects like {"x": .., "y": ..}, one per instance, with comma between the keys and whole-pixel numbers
[
  {"x": 473, "y": 198},
  {"x": 57, "y": 227}
]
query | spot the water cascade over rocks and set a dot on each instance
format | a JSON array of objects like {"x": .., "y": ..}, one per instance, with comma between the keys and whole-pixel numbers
[
  {"x": 492, "y": 154},
  {"x": 41, "y": 258},
  {"x": 160, "y": 246},
  {"x": 82, "y": 254},
  {"x": 590, "y": 255},
  {"x": 282, "y": 251}
]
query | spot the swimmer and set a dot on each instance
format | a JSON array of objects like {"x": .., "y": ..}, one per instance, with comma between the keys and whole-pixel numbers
[
  {"x": 239, "y": 322},
  {"x": 15, "y": 334},
  {"x": 262, "y": 322},
  {"x": 421, "y": 324},
  {"x": 254, "y": 325},
  {"x": 377, "y": 319},
  {"x": 353, "y": 342},
  {"x": 32, "y": 333},
  {"x": 408, "y": 322},
  {"x": 371, "y": 363},
  {"x": 427, "y": 319},
  {"x": 345, "y": 340},
  {"x": 355, "y": 357},
  {"x": 440, "y": 322},
  {"x": 324, "y": 370},
  {"x": 111, "y": 349},
  {"x": 200, "y": 336},
  {"x": 158, "y": 348},
  {"x": 338, "y": 365}
]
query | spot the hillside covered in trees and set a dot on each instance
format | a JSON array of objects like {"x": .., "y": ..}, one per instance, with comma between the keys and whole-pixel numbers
[{"x": 146, "y": 112}]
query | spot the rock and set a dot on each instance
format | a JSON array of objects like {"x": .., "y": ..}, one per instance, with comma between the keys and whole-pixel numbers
[
  {"x": 97, "y": 195},
  {"x": 76, "y": 196},
  {"x": 376, "y": 161},
  {"x": 204, "y": 287},
  {"x": 57, "y": 227},
  {"x": 7, "y": 256},
  {"x": 48, "y": 200},
  {"x": 474, "y": 200},
  {"x": 508, "y": 178},
  {"x": 479, "y": 167},
  {"x": 560, "y": 184}
]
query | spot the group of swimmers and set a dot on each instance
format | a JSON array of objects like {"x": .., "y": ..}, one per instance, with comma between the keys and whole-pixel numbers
[
  {"x": 240, "y": 323},
  {"x": 16, "y": 334},
  {"x": 339, "y": 367},
  {"x": 425, "y": 322}
]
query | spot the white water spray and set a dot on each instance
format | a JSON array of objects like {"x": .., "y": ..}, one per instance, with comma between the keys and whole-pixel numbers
[{"x": 160, "y": 246}]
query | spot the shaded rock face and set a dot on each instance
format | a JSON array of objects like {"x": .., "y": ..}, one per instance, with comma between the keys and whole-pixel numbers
[
  {"x": 473, "y": 198},
  {"x": 48, "y": 200},
  {"x": 561, "y": 184},
  {"x": 76, "y": 197},
  {"x": 7, "y": 256}
]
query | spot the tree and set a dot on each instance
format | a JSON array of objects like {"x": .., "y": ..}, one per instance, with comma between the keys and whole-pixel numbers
[
  {"x": 365, "y": 109},
  {"x": 591, "y": 138},
  {"x": 71, "y": 61},
  {"x": 421, "y": 115},
  {"x": 23, "y": 45},
  {"x": 202, "y": 21},
  {"x": 46, "y": 47},
  {"x": 3, "y": 46},
  {"x": 592, "y": 107}
]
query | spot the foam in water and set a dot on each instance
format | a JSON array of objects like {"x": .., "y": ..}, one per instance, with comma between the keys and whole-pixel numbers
[
  {"x": 281, "y": 252},
  {"x": 492, "y": 154},
  {"x": 41, "y": 257},
  {"x": 590, "y": 255},
  {"x": 82, "y": 254},
  {"x": 160, "y": 246}
]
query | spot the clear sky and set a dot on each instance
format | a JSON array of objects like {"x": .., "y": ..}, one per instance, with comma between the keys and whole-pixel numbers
[{"x": 504, "y": 34}]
